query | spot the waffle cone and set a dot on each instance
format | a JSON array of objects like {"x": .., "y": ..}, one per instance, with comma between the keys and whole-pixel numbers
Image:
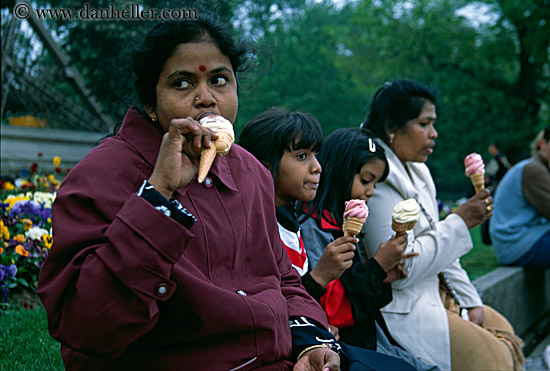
[
  {"x": 352, "y": 226},
  {"x": 402, "y": 228},
  {"x": 478, "y": 180},
  {"x": 207, "y": 158},
  {"x": 220, "y": 147},
  {"x": 224, "y": 142}
]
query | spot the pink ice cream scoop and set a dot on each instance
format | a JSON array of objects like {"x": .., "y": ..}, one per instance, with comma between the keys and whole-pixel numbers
[
  {"x": 355, "y": 215},
  {"x": 474, "y": 164},
  {"x": 356, "y": 209}
]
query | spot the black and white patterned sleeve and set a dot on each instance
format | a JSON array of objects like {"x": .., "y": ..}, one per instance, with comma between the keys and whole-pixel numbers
[
  {"x": 171, "y": 208},
  {"x": 307, "y": 334}
]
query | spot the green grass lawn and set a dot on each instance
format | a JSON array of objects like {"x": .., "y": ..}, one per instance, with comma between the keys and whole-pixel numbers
[
  {"x": 25, "y": 341},
  {"x": 481, "y": 259},
  {"x": 27, "y": 345}
]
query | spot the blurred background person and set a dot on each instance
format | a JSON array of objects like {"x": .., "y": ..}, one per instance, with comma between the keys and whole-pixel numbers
[
  {"x": 496, "y": 167},
  {"x": 520, "y": 228},
  {"x": 494, "y": 171}
]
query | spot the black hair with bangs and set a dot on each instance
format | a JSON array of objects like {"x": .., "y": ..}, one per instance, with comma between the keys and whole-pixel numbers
[
  {"x": 272, "y": 132},
  {"x": 343, "y": 154}
]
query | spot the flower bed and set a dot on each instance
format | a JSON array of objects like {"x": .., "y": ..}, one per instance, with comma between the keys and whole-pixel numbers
[{"x": 25, "y": 228}]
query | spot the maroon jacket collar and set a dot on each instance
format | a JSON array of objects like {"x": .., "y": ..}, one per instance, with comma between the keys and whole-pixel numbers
[{"x": 146, "y": 138}]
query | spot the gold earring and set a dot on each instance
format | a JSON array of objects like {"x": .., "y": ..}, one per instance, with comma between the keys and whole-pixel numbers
[
  {"x": 153, "y": 117},
  {"x": 391, "y": 137}
]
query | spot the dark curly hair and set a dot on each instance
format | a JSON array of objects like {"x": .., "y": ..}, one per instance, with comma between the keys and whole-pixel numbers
[{"x": 159, "y": 45}]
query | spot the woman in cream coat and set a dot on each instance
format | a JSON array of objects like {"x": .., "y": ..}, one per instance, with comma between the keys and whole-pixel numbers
[{"x": 403, "y": 115}]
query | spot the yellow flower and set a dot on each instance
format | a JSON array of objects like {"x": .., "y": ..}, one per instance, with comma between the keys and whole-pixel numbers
[
  {"x": 20, "y": 238},
  {"x": 51, "y": 178},
  {"x": 9, "y": 186},
  {"x": 21, "y": 250},
  {"x": 56, "y": 161},
  {"x": 27, "y": 224},
  {"x": 4, "y": 231},
  {"x": 48, "y": 240},
  {"x": 12, "y": 200}
]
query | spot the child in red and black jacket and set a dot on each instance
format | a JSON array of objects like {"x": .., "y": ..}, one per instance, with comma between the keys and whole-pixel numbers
[
  {"x": 287, "y": 144},
  {"x": 353, "y": 165}
]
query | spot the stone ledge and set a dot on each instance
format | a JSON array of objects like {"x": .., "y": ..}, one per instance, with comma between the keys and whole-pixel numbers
[
  {"x": 20, "y": 147},
  {"x": 522, "y": 295}
]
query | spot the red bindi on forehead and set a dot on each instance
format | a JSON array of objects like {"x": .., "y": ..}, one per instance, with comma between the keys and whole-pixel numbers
[{"x": 202, "y": 68}]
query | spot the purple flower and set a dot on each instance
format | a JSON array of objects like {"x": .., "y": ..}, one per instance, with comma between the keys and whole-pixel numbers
[
  {"x": 38, "y": 213},
  {"x": 44, "y": 214},
  {"x": 33, "y": 247},
  {"x": 43, "y": 257},
  {"x": 9, "y": 221},
  {"x": 12, "y": 243},
  {"x": 25, "y": 209},
  {"x": 12, "y": 270},
  {"x": 7, "y": 272}
]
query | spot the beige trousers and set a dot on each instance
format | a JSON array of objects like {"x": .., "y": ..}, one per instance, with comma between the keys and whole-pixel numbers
[{"x": 484, "y": 348}]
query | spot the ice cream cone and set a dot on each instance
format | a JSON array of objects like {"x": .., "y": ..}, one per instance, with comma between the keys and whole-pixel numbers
[
  {"x": 224, "y": 142},
  {"x": 405, "y": 215},
  {"x": 220, "y": 147},
  {"x": 207, "y": 158},
  {"x": 352, "y": 226},
  {"x": 401, "y": 228},
  {"x": 475, "y": 169},
  {"x": 478, "y": 180}
]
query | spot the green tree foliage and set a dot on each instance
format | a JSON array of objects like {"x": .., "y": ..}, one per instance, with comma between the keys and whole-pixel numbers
[
  {"x": 474, "y": 68},
  {"x": 529, "y": 21},
  {"x": 489, "y": 61},
  {"x": 298, "y": 69}
]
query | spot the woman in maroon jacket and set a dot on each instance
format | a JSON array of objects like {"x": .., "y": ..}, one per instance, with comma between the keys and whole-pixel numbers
[{"x": 149, "y": 268}]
